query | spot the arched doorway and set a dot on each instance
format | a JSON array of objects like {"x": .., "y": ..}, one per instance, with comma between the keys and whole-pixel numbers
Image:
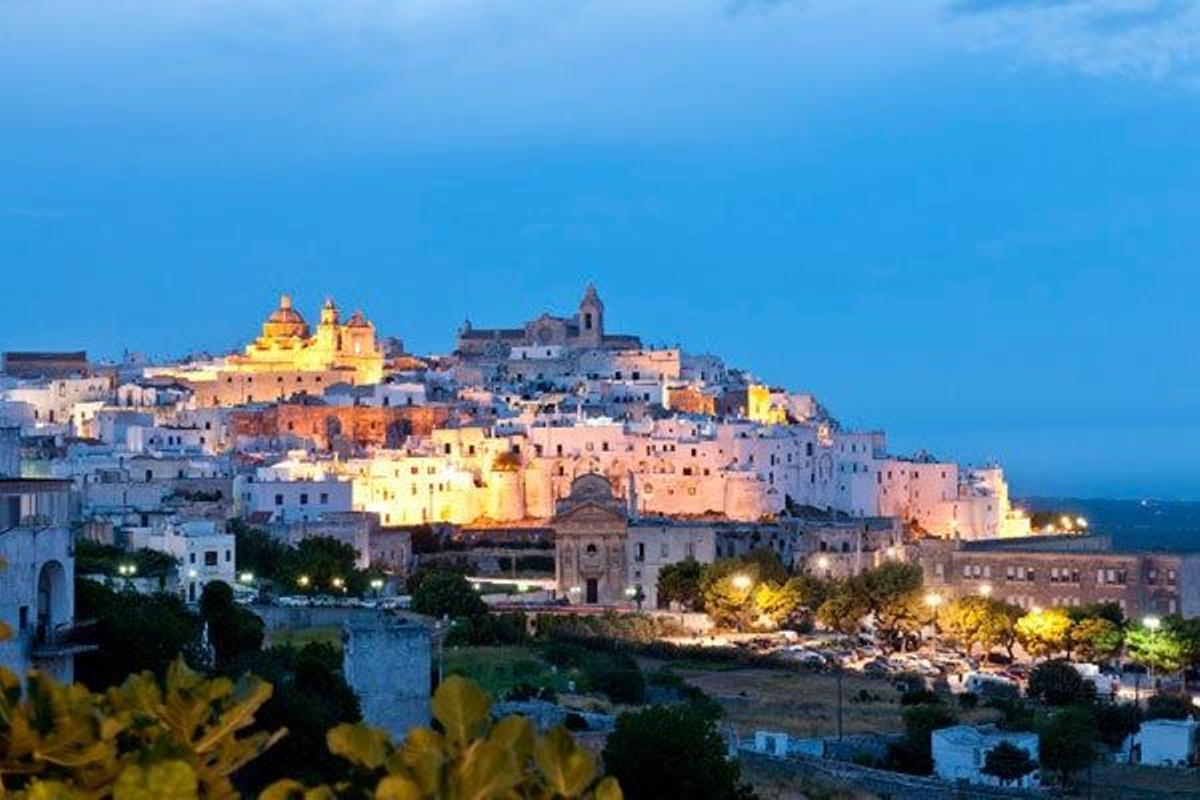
[{"x": 53, "y": 600}]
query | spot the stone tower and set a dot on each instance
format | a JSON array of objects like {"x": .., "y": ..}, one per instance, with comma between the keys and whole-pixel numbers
[
  {"x": 591, "y": 319},
  {"x": 387, "y": 661}
]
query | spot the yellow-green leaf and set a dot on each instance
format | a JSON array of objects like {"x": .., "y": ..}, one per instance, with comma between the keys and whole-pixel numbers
[
  {"x": 424, "y": 753},
  {"x": 514, "y": 733},
  {"x": 397, "y": 787},
  {"x": 567, "y": 767},
  {"x": 283, "y": 790},
  {"x": 488, "y": 770},
  {"x": 461, "y": 707},
  {"x": 609, "y": 789},
  {"x": 50, "y": 790},
  {"x": 367, "y": 747},
  {"x": 167, "y": 780}
]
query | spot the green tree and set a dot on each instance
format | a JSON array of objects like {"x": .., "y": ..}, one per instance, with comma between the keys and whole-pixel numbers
[
  {"x": 1057, "y": 683},
  {"x": 1169, "y": 706},
  {"x": 439, "y": 593},
  {"x": 913, "y": 754},
  {"x": 843, "y": 611},
  {"x": 1116, "y": 721},
  {"x": 312, "y": 697},
  {"x": 134, "y": 632},
  {"x": 232, "y": 630},
  {"x": 1164, "y": 649},
  {"x": 1110, "y": 611},
  {"x": 728, "y": 591},
  {"x": 982, "y": 621},
  {"x": 260, "y": 553},
  {"x": 1067, "y": 741},
  {"x": 1045, "y": 632},
  {"x": 680, "y": 583},
  {"x": 672, "y": 751},
  {"x": 1008, "y": 763},
  {"x": 1096, "y": 639},
  {"x": 324, "y": 562}
]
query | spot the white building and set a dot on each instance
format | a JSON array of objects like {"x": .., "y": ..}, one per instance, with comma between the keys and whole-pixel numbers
[
  {"x": 290, "y": 500},
  {"x": 204, "y": 550},
  {"x": 1166, "y": 743},
  {"x": 960, "y": 752},
  {"x": 37, "y": 583}
]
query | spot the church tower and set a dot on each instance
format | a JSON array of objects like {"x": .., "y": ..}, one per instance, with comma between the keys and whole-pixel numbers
[{"x": 591, "y": 319}]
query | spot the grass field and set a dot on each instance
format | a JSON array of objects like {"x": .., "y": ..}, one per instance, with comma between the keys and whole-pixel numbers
[
  {"x": 298, "y": 637},
  {"x": 804, "y": 703},
  {"x": 498, "y": 669}
]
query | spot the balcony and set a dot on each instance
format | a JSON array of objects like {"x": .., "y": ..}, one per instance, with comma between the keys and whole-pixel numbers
[{"x": 62, "y": 640}]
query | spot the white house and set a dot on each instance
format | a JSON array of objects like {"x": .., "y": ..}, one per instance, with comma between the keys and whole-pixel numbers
[
  {"x": 37, "y": 583},
  {"x": 204, "y": 550},
  {"x": 1166, "y": 743},
  {"x": 290, "y": 500},
  {"x": 960, "y": 752}
]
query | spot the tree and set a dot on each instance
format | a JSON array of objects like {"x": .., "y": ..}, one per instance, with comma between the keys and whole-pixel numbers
[
  {"x": 843, "y": 611},
  {"x": 1057, "y": 683},
  {"x": 1008, "y": 763},
  {"x": 1096, "y": 639},
  {"x": 672, "y": 751},
  {"x": 325, "y": 562},
  {"x": 135, "y": 633},
  {"x": 1045, "y": 632},
  {"x": 1110, "y": 611},
  {"x": 312, "y": 698},
  {"x": 1116, "y": 722},
  {"x": 1169, "y": 706},
  {"x": 1066, "y": 741},
  {"x": 741, "y": 593},
  {"x": 913, "y": 754},
  {"x": 438, "y": 593},
  {"x": 1164, "y": 649},
  {"x": 258, "y": 552},
  {"x": 232, "y": 630},
  {"x": 680, "y": 583},
  {"x": 982, "y": 621}
]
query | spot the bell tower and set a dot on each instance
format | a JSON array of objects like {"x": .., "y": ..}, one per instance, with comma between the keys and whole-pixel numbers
[{"x": 591, "y": 319}]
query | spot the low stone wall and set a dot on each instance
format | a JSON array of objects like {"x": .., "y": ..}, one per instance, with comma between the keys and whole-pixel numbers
[{"x": 883, "y": 784}]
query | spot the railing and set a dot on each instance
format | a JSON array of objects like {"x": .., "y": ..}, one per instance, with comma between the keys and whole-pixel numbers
[{"x": 64, "y": 639}]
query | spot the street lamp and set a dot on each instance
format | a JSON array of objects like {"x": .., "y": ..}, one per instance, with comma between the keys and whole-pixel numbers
[
  {"x": 933, "y": 600},
  {"x": 376, "y": 585},
  {"x": 742, "y": 581},
  {"x": 823, "y": 562},
  {"x": 338, "y": 583},
  {"x": 303, "y": 581},
  {"x": 985, "y": 590},
  {"x": 246, "y": 577},
  {"x": 1152, "y": 623}
]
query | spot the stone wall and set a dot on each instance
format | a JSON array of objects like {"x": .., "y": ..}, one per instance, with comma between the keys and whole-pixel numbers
[{"x": 884, "y": 784}]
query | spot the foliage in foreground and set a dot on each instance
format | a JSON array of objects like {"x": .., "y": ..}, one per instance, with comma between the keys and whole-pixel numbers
[
  {"x": 470, "y": 759},
  {"x": 139, "y": 740}
]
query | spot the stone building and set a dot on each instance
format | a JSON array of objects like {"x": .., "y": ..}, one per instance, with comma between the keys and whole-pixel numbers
[
  {"x": 582, "y": 331},
  {"x": 387, "y": 660},
  {"x": 327, "y": 426},
  {"x": 1063, "y": 571},
  {"x": 37, "y": 581}
]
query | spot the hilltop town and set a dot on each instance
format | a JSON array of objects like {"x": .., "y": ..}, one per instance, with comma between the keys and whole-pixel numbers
[{"x": 560, "y": 471}]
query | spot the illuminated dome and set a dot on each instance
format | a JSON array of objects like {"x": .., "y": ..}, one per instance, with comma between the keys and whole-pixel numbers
[
  {"x": 357, "y": 320},
  {"x": 285, "y": 321}
]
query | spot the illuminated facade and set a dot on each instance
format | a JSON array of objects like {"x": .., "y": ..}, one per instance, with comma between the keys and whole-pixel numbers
[{"x": 286, "y": 345}]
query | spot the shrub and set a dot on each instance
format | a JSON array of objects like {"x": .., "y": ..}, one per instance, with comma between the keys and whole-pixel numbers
[
  {"x": 1057, "y": 683},
  {"x": 968, "y": 700}
]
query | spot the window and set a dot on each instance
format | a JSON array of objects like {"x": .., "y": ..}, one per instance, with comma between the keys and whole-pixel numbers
[
  {"x": 324, "y": 498},
  {"x": 23, "y": 618},
  {"x": 304, "y": 498},
  {"x": 191, "y": 558},
  {"x": 210, "y": 558},
  {"x": 641, "y": 551},
  {"x": 228, "y": 556},
  {"x": 278, "y": 499}
]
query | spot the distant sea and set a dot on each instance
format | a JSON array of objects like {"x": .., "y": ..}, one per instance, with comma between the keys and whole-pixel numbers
[{"x": 1132, "y": 524}]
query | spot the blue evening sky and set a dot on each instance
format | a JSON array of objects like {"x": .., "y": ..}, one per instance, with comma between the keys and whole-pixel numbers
[{"x": 975, "y": 224}]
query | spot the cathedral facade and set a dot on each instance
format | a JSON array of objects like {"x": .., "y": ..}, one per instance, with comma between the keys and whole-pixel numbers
[{"x": 582, "y": 331}]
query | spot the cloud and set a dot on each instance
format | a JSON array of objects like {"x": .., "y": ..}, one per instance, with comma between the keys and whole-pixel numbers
[{"x": 1147, "y": 39}]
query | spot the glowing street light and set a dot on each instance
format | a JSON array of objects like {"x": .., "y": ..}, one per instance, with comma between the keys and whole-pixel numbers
[
  {"x": 377, "y": 583},
  {"x": 246, "y": 577},
  {"x": 127, "y": 570},
  {"x": 742, "y": 581},
  {"x": 1081, "y": 522},
  {"x": 338, "y": 583},
  {"x": 303, "y": 580},
  {"x": 1152, "y": 623},
  {"x": 986, "y": 590},
  {"x": 823, "y": 562},
  {"x": 933, "y": 599}
]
